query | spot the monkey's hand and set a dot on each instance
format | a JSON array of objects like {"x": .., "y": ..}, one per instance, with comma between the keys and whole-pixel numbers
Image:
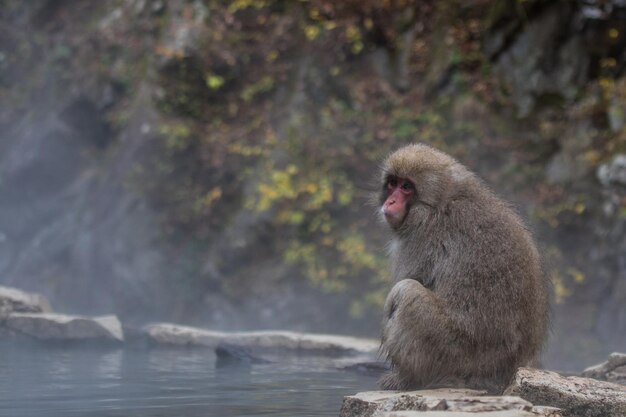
[{"x": 401, "y": 292}]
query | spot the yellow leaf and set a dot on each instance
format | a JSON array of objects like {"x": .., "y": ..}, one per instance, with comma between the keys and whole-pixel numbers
[
  {"x": 214, "y": 82},
  {"x": 311, "y": 32}
]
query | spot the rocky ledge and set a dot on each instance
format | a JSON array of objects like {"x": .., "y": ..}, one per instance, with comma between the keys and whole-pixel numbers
[
  {"x": 533, "y": 392},
  {"x": 445, "y": 402}
]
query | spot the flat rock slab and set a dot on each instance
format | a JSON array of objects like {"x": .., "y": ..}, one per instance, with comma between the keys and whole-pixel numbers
[
  {"x": 66, "y": 328},
  {"x": 575, "y": 396},
  {"x": 507, "y": 413},
  {"x": 445, "y": 400},
  {"x": 613, "y": 370},
  {"x": 14, "y": 300},
  {"x": 175, "y": 335}
]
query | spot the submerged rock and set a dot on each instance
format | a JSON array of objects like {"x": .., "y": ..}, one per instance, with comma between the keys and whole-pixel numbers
[
  {"x": 445, "y": 402},
  {"x": 66, "y": 328},
  {"x": 366, "y": 367},
  {"x": 175, "y": 335},
  {"x": 576, "y": 396},
  {"x": 14, "y": 300},
  {"x": 228, "y": 354},
  {"x": 613, "y": 370}
]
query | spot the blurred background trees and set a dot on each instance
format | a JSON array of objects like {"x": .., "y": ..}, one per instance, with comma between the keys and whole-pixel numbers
[{"x": 212, "y": 162}]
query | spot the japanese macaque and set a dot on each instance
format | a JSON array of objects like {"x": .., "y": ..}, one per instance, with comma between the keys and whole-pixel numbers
[{"x": 469, "y": 304}]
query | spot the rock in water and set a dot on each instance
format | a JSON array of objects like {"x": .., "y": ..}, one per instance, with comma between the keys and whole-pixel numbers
[
  {"x": 228, "y": 354},
  {"x": 368, "y": 367},
  {"x": 613, "y": 370},
  {"x": 14, "y": 300},
  {"x": 65, "y": 328},
  {"x": 269, "y": 340}
]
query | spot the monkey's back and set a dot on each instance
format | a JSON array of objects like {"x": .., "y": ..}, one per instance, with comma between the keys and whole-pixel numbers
[{"x": 489, "y": 274}]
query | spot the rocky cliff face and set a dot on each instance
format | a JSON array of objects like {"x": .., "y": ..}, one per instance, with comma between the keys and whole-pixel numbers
[
  {"x": 71, "y": 226},
  {"x": 564, "y": 69}
]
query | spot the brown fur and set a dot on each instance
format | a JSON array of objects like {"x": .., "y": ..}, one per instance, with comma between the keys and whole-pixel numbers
[{"x": 470, "y": 300}]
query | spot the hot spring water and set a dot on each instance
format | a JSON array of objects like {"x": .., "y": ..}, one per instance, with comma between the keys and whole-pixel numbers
[{"x": 59, "y": 382}]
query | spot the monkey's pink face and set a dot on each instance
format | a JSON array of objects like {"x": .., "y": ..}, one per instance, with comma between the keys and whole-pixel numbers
[{"x": 399, "y": 191}]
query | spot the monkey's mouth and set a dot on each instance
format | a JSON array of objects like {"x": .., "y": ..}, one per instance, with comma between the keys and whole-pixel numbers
[{"x": 393, "y": 218}]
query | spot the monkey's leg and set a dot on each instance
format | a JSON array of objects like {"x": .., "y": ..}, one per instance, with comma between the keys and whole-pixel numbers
[{"x": 418, "y": 336}]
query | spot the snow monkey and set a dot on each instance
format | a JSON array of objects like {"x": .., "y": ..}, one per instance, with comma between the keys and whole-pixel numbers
[{"x": 469, "y": 304}]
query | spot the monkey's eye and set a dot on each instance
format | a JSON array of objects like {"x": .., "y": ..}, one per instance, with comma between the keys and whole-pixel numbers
[
  {"x": 407, "y": 186},
  {"x": 392, "y": 182}
]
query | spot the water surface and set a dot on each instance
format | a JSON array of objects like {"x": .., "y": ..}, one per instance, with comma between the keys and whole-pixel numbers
[{"x": 162, "y": 382}]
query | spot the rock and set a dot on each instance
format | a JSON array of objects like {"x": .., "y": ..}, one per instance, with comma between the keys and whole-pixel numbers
[
  {"x": 576, "y": 396},
  {"x": 65, "y": 328},
  {"x": 614, "y": 172},
  {"x": 507, "y": 413},
  {"x": 613, "y": 370},
  {"x": 520, "y": 56},
  {"x": 546, "y": 411},
  {"x": 172, "y": 334},
  {"x": 228, "y": 354},
  {"x": 452, "y": 401},
  {"x": 185, "y": 29},
  {"x": 569, "y": 165},
  {"x": 14, "y": 300},
  {"x": 367, "y": 367},
  {"x": 135, "y": 337}
]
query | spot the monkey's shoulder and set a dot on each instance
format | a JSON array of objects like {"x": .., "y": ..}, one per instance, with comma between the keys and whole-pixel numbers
[
  {"x": 486, "y": 218},
  {"x": 477, "y": 245}
]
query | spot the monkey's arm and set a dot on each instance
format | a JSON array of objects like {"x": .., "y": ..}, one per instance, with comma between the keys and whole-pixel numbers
[
  {"x": 410, "y": 300},
  {"x": 418, "y": 329}
]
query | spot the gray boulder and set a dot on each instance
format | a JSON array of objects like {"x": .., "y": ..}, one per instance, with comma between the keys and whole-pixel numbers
[
  {"x": 446, "y": 402},
  {"x": 65, "y": 328},
  {"x": 175, "y": 335},
  {"x": 14, "y": 300},
  {"x": 576, "y": 396},
  {"x": 613, "y": 370}
]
